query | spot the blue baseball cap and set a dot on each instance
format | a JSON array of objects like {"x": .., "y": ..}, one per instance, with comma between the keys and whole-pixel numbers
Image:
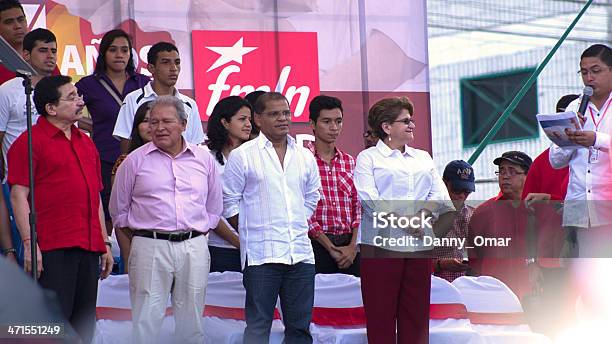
[{"x": 460, "y": 175}]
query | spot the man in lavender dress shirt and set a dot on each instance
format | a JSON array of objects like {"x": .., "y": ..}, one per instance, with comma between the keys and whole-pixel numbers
[{"x": 169, "y": 193}]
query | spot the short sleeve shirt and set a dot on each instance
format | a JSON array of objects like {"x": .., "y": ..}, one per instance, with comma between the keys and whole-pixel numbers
[
  {"x": 123, "y": 127},
  {"x": 13, "y": 114},
  {"x": 68, "y": 185}
]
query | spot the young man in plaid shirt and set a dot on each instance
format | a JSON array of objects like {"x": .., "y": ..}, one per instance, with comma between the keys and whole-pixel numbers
[
  {"x": 459, "y": 180},
  {"x": 334, "y": 225}
]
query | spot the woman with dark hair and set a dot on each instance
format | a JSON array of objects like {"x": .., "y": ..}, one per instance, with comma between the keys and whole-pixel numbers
[
  {"x": 141, "y": 134},
  {"x": 396, "y": 178},
  {"x": 229, "y": 126},
  {"x": 103, "y": 92}
]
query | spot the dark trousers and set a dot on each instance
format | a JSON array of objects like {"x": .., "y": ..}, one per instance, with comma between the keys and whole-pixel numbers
[
  {"x": 325, "y": 264},
  {"x": 224, "y": 259},
  {"x": 295, "y": 286},
  {"x": 73, "y": 275},
  {"x": 395, "y": 295}
]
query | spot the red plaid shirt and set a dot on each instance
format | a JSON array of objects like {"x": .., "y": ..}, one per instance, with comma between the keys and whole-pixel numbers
[
  {"x": 459, "y": 230},
  {"x": 338, "y": 211}
]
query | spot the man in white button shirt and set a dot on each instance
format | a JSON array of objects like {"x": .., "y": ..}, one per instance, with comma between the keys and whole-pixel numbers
[
  {"x": 271, "y": 188},
  {"x": 164, "y": 64},
  {"x": 40, "y": 51},
  {"x": 587, "y": 212}
]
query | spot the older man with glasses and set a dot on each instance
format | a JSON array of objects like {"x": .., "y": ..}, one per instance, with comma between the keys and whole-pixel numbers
[
  {"x": 72, "y": 248},
  {"x": 497, "y": 232},
  {"x": 168, "y": 192}
]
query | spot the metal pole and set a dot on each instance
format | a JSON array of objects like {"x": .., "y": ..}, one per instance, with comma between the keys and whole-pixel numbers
[
  {"x": 27, "y": 84},
  {"x": 502, "y": 119},
  {"x": 363, "y": 55}
]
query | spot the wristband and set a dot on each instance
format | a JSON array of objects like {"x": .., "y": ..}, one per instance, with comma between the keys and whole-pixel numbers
[{"x": 109, "y": 244}]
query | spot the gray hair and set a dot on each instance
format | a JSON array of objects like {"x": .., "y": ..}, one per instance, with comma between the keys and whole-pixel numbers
[{"x": 171, "y": 101}]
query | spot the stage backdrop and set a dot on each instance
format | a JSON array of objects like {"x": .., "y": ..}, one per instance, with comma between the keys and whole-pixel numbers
[{"x": 357, "y": 50}]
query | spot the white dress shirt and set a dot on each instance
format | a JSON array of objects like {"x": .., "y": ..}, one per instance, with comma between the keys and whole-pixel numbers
[
  {"x": 125, "y": 119},
  {"x": 403, "y": 183},
  {"x": 274, "y": 202},
  {"x": 589, "y": 191}
]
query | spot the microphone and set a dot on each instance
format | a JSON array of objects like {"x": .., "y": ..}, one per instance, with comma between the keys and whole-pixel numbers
[{"x": 586, "y": 96}]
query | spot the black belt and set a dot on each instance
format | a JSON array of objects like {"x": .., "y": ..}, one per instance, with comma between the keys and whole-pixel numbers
[{"x": 175, "y": 237}]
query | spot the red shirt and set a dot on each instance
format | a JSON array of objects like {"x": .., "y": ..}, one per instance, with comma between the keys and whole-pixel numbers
[
  {"x": 338, "y": 211},
  {"x": 497, "y": 218},
  {"x": 6, "y": 74},
  {"x": 543, "y": 178},
  {"x": 67, "y": 186}
]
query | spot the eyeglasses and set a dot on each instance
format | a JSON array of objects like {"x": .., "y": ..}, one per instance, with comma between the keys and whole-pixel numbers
[
  {"x": 406, "y": 121},
  {"x": 278, "y": 114},
  {"x": 509, "y": 172},
  {"x": 593, "y": 71},
  {"x": 73, "y": 98}
]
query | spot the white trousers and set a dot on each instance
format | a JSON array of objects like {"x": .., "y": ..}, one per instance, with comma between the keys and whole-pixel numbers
[{"x": 159, "y": 268}]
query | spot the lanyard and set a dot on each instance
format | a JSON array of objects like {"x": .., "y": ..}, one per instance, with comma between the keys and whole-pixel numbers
[{"x": 603, "y": 114}]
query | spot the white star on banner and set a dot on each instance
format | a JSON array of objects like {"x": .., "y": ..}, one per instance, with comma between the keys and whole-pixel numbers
[{"x": 228, "y": 54}]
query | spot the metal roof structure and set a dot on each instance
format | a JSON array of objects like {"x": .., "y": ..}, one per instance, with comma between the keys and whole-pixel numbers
[{"x": 510, "y": 25}]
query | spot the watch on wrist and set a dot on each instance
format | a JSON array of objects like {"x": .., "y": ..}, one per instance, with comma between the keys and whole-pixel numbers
[{"x": 109, "y": 244}]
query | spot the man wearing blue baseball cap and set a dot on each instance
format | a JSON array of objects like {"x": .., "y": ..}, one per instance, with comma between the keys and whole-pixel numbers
[{"x": 459, "y": 180}]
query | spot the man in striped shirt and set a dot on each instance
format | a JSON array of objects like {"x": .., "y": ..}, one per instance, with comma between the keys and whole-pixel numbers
[{"x": 333, "y": 227}]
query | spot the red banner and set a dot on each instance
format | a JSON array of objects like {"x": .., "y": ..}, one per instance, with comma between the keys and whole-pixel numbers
[{"x": 239, "y": 62}]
